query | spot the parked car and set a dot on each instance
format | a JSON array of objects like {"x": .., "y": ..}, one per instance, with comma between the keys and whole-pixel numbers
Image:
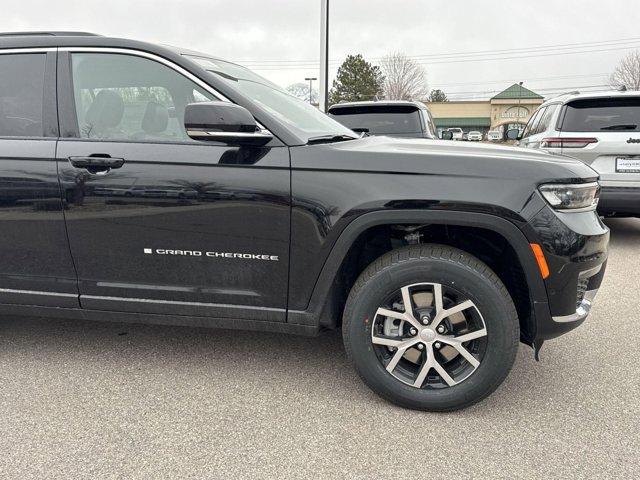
[
  {"x": 603, "y": 131},
  {"x": 434, "y": 259},
  {"x": 474, "y": 136},
  {"x": 391, "y": 118},
  {"x": 494, "y": 135},
  {"x": 453, "y": 134}
]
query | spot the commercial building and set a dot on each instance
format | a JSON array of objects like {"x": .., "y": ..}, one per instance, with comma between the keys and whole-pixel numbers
[{"x": 511, "y": 108}]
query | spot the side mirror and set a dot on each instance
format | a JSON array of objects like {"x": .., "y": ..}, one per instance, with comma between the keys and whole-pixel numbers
[
  {"x": 223, "y": 122},
  {"x": 447, "y": 135},
  {"x": 513, "y": 134}
]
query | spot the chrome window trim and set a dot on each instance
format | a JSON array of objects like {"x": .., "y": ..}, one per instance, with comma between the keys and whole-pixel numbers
[
  {"x": 8, "y": 51},
  {"x": 220, "y": 134},
  {"x": 150, "y": 56}
]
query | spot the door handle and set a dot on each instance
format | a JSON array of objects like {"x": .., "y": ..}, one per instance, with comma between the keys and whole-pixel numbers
[{"x": 95, "y": 163}]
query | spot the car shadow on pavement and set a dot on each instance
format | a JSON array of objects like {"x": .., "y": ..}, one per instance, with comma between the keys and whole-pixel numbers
[
  {"x": 311, "y": 368},
  {"x": 624, "y": 231},
  {"x": 262, "y": 359}
]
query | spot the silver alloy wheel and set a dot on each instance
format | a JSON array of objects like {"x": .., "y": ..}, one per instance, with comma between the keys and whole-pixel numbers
[{"x": 450, "y": 336}]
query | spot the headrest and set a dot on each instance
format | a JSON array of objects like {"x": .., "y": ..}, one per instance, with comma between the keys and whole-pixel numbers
[
  {"x": 156, "y": 118},
  {"x": 106, "y": 111}
]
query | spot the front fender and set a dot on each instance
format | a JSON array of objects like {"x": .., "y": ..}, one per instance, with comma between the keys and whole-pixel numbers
[{"x": 507, "y": 229}]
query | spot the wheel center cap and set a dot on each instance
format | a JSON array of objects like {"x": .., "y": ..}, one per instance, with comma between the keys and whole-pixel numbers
[{"x": 427, "y": 335}]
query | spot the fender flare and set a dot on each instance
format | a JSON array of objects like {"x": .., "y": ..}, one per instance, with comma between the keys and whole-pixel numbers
[{"x": 514, "y": 236}]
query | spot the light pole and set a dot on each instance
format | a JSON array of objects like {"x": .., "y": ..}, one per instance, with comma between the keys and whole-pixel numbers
[
  {"x": 324, "y": 55},
  {"x": 519, "y": 101},
  {"x": 311, "y": 80}
]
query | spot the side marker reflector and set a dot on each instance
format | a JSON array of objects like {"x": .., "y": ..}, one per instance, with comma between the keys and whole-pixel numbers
[{"x": 542, "y": 262}]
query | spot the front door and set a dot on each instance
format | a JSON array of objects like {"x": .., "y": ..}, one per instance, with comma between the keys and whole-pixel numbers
[{"x": 157, "y": 222}]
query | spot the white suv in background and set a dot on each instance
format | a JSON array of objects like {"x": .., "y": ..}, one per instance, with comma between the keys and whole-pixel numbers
[
  {"x": 456, "y": 133},
  {"x": 601, "y": 129}
]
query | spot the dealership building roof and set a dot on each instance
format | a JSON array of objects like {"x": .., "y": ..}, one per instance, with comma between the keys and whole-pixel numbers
[{"x": 516, "y": 91}]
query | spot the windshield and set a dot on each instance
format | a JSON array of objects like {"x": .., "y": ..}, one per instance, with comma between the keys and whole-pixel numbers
[
  {"x": 379, "y": 120},
  {"x": 304, "y": 119},
  {"x": 603, "y": 114}
]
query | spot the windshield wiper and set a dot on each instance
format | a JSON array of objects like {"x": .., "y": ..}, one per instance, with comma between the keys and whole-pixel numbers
[
  {"x": 625, "y": 126},
  {"x": 330, "y": 139}
]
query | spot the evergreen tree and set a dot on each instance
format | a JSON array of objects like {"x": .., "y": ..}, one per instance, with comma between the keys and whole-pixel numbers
[
  {"x": 437, "y": 95},
  {"x": 357, "y": 80}
]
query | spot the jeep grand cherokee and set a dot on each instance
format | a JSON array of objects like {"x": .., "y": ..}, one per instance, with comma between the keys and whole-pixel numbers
[{"x": 434, "y": 259}]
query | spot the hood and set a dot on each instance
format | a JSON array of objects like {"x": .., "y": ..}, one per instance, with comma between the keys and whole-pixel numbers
[{"x": 448, "y": 158}]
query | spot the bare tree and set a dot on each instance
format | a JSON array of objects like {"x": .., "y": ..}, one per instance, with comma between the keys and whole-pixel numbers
[
  {"x": 301, "y": 90},
  {"x": 404, "y": 78},
  {"x": 627, "y": 73}
]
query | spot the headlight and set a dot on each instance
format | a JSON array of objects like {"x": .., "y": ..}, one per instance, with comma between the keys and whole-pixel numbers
[{"x": 572, "y": 197}]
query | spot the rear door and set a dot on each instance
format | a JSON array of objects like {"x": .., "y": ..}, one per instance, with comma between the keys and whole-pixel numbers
[
  {"x": 614, "y": 124},
  {"x": 158, "y": 222},
  {"x": 35, "y": 265}
]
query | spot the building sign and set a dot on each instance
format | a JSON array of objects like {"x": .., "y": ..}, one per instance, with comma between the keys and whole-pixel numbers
[{"x": 516, "y": 112}]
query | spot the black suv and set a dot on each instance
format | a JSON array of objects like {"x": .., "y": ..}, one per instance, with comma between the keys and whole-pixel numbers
[
  {"x": 393, "y": 118},
  {"x": 149, "y": 184}
]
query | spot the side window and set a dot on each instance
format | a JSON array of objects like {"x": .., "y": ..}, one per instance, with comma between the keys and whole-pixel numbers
[
  {"x": 125, "y": 97},
  {"x": 530, "y": 129},
  {"x": 545, "y": 120},
  {"x": 430, "y": 125},
  {"x": 21, "y": 94}
]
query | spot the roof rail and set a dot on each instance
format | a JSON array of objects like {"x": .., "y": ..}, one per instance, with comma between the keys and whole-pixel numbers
[
  {"x": 50, "y": 34},
  {"x": 574, "y": 92}
]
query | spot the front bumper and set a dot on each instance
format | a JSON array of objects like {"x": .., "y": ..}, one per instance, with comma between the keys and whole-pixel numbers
[
  {"x": 576, "y": 248},
  {"x": 588, "y": 286},
  {"x": 583, "y": 310},
  {"x": 623, "y": 201}
]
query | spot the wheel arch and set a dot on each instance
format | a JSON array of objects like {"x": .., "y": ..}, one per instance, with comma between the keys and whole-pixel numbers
[{"x": 323, "y": 307}]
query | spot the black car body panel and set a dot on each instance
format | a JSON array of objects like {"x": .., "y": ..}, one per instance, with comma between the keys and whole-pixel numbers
[
  {"x": 226, "y": 198},
  {"x": 400, "y": 175},
  {"x": 99, "y": 248},
  {"x": 436, "y": 183}
]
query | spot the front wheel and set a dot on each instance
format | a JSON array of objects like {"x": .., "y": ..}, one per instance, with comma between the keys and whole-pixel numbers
[{"x": 431, "y": 327}]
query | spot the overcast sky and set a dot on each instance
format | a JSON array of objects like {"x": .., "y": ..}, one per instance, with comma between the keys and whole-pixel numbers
[{"x": 280, "y": 38}]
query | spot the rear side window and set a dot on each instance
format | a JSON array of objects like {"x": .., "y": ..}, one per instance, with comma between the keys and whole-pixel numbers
[
  {"x": 428, "y": 120},
  {"x": 602, "y": 114},
  {"x": 379, "y": 120},
  {"x": 21, "y": 94},
  {"x": 546, "y": 118},
  {"x": 530, "y": 129}
]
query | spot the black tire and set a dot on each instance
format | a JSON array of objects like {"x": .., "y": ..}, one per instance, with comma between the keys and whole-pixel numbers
[{"x": 450, "y": 267}]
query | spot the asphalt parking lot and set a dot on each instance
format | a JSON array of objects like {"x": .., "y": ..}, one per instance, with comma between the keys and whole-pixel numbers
[{"x": 93, "y": 400}]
